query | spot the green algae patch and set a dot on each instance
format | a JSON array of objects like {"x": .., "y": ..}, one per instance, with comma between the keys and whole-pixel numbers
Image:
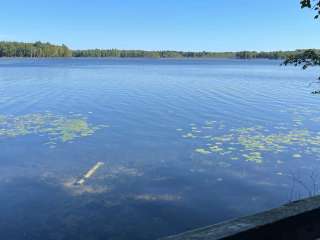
[{"x": 58, "y": 128}]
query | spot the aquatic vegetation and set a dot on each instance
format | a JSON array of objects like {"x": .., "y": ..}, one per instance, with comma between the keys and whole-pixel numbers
[
  {"x": 253, "y": 157},
  {"x": 216, "y": 149},
  {"x": 189, "y": 135},
  {"x": 157, "y": 197},
  {"x": 253, "y": 143},
  {"x": 76, "y": 190},
  {"x": 58, "y": 128},
  {"x": 202, "y": 151},
  {"x": 121, "y": 171}
]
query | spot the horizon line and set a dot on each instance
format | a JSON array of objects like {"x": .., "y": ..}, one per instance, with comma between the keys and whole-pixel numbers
[{"x": 156, "y": 50}]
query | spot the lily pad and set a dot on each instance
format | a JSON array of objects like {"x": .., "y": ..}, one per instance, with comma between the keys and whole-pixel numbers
[{"x": 58, "y": 128}]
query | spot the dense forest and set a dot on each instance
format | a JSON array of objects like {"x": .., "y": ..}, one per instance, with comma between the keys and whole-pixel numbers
[
  {"x": 149, "y": 54},
  {"x": 180, "y": 54},
  {"x": 39, "y": 49}
]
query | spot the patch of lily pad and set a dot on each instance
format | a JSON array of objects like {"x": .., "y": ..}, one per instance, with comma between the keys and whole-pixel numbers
[
  {"x": 202, "y": 151},
  {"x": 57, "y": 128},
  {"x": 255, "y": 144}
]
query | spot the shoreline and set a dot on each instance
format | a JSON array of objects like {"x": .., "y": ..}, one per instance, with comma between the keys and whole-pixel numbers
[{"x": 148, "y": 58}]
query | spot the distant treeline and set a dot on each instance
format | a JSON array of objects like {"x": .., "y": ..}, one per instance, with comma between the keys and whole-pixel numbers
[
  {"x": 149, "y": 54},
  {"x": 39, "y": 49},
  {"x": 179, "y": 54}
]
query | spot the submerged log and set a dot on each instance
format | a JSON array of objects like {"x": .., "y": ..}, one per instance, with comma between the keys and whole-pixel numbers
[{"x": 89, "y": 174}]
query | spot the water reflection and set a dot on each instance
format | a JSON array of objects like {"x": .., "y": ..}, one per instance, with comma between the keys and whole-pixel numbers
[{"x": 190, "y": 143}]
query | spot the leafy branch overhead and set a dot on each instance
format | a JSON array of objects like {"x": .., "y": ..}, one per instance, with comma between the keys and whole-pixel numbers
[
  {"x": 307, "y": 58},
  {"x": 312, "y": 4},
  {"x": 311, "y": 57}
]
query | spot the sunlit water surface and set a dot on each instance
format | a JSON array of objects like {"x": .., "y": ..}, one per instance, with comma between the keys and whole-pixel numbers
[{"x": 185, "y": 143}]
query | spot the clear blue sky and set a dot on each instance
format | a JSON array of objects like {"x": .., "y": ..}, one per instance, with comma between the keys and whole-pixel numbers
[{"x": 213, "y": 25}]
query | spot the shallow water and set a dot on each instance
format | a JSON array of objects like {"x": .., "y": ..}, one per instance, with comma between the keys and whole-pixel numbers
[{"x": 185, "y": 143}]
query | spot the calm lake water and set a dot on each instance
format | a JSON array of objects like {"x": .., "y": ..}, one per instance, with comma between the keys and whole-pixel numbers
[{"x": 185, "y": 143}]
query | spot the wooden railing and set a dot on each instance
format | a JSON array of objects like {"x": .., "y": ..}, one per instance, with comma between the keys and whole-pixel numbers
[{"x": 293, "y": 221}]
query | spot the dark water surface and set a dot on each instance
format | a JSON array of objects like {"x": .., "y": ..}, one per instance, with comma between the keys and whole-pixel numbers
[{"x": 185, "y": 143}]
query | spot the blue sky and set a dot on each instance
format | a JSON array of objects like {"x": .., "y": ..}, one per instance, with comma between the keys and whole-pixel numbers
[{"x": 212, "y": 25}]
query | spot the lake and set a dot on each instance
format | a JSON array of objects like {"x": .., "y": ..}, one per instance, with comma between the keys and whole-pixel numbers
[{"x": 184, "y": 144}]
